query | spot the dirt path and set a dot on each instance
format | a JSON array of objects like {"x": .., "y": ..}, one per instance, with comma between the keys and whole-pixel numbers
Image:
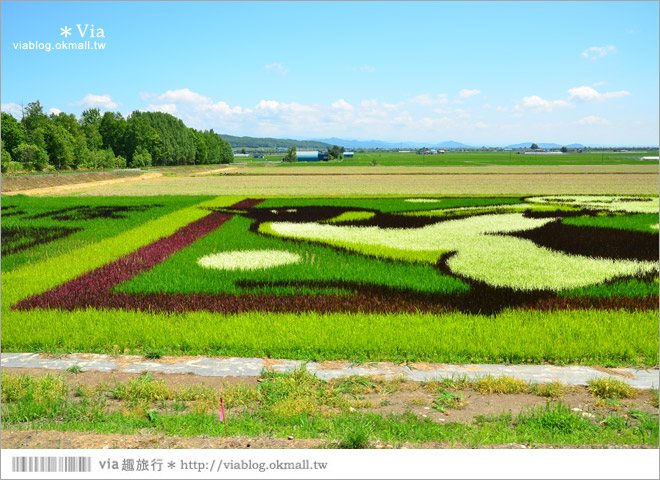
[
  {"x": 78, "y": 186},
  {"x": 211, "y": 172},
  {"x": 76, "y": 440},
  {"x": 79, "y": 440}
]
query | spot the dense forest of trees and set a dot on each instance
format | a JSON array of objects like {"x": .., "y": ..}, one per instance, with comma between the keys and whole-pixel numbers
[{"x": 61, "y": 141}]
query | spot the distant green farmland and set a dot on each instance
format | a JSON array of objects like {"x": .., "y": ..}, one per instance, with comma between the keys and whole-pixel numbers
[{"x": 477, "y": 158}]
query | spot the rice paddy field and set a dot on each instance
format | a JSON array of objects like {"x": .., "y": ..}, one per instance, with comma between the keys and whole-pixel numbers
[
  {"x": 477, "y": 158},
  {"x": 562, "y": 279}
]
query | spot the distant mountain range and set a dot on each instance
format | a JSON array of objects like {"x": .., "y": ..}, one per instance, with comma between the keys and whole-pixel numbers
[
  {"x": 326, "y": 143},
  {"x": 256, "y": 142},
  {"x": 390, "y": 145}
]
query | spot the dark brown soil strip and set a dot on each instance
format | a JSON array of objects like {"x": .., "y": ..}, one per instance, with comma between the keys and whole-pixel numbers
[
  {"x": 10, "y": 211},
  {"x": 594, "y": 241},
  {"x": 17, "y": 239},
  {"x": 361, "y": 302},
  {"x": 90, "y": 213}
]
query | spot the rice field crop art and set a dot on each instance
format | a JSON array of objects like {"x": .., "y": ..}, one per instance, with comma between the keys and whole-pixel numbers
[{"x": 477, "y": 255}]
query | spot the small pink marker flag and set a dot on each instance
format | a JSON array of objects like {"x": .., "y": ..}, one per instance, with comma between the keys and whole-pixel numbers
[{"x": 222, "y": 414}]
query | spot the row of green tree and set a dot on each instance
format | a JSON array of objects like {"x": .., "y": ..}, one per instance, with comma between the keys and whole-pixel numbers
[{"x": 61, "y": 141}]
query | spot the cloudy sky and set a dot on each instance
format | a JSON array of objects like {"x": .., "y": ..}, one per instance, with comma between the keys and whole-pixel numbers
[{"x": 484, "y": 73}]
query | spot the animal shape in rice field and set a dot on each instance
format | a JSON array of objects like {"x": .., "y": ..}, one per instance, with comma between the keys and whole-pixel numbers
[{"x": 482, "y": 247}]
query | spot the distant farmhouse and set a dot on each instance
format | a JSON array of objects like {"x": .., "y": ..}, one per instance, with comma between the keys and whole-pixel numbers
[
  {"x": 542, "y": 152},
  {"x": 432, "y": 151}
]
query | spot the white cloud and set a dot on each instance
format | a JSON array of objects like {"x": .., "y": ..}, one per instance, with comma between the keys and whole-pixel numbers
[
  {"x": 184, "y": 95},
  {"x": 594, "y": 53},
  {"x": 56, "y": 111},
  {"x": 147, "y": 96},
  {"x": 364, "y": 68},
  {"x": 267, "y": 105},
  {"x": 220, "y": 108},
  {"x": 429, "y": 100},
  {"x": 598, "y": 84},
  {"x": 165, "y": 108},
  {"x": 276, "y": 67},
  {"x": 402, "y": 120},
  {"x": 466, "y": 93},
  {"x": 427, "y": 118},
  {"x": 593, "y": 120},
  {"x": 342, "y": 104},
  {"x": 273, "y": 106},
  {"x": 12, "y": 109},
  {"x": 590, "y": 94},
  {"x": 462, "y": 113},
  {"x": 537, "y": 103},
  {"x": 96, "y": 101}
]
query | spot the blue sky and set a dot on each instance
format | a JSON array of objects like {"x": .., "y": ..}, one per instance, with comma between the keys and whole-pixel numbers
[{"x": 482, "y": 73}]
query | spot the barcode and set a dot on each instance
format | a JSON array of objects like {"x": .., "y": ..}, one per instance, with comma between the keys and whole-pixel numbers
[{"x": 51, "y": 464}]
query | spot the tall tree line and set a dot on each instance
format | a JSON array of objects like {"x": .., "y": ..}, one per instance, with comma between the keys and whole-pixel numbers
[{"x": 61, "y": 141}]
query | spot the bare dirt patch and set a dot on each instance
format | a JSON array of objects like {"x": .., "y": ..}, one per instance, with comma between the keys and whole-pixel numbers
[
  {"x": 77, "y": 440},
  {"x": 215, "y": 171},
  {"x": 173, "y": 380},
  {"x": 80, "y": 183},
  {"x": 613, "y": 371},
  {"x": 80, "y": 440},
  {"x": 14, "y": 183}
]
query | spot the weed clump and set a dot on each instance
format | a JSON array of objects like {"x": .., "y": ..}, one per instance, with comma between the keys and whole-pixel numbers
[
  {"x": 358, "y": 436},
  {"x": 507, "y": 385},
  {"x": 447, "y": 399},
  {"x": 550, "y": 390},
  {"x": 611, "y": 388}
]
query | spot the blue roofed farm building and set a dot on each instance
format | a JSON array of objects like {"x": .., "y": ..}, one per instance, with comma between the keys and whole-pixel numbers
[{"x": 308, "y": 156}]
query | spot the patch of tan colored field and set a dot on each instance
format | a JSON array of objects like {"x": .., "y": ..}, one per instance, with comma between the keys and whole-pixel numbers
[
  {"x": 315, "y": 169},
  {"x": 430, "y": 184},
  {"x": 75, "y": 187},
  {"x": 15, "y": 183},
  {"x": 346, "y": 180}
]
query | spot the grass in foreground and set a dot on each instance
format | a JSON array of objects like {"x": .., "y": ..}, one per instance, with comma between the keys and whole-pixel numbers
[{"x": 296, "y": 404}]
